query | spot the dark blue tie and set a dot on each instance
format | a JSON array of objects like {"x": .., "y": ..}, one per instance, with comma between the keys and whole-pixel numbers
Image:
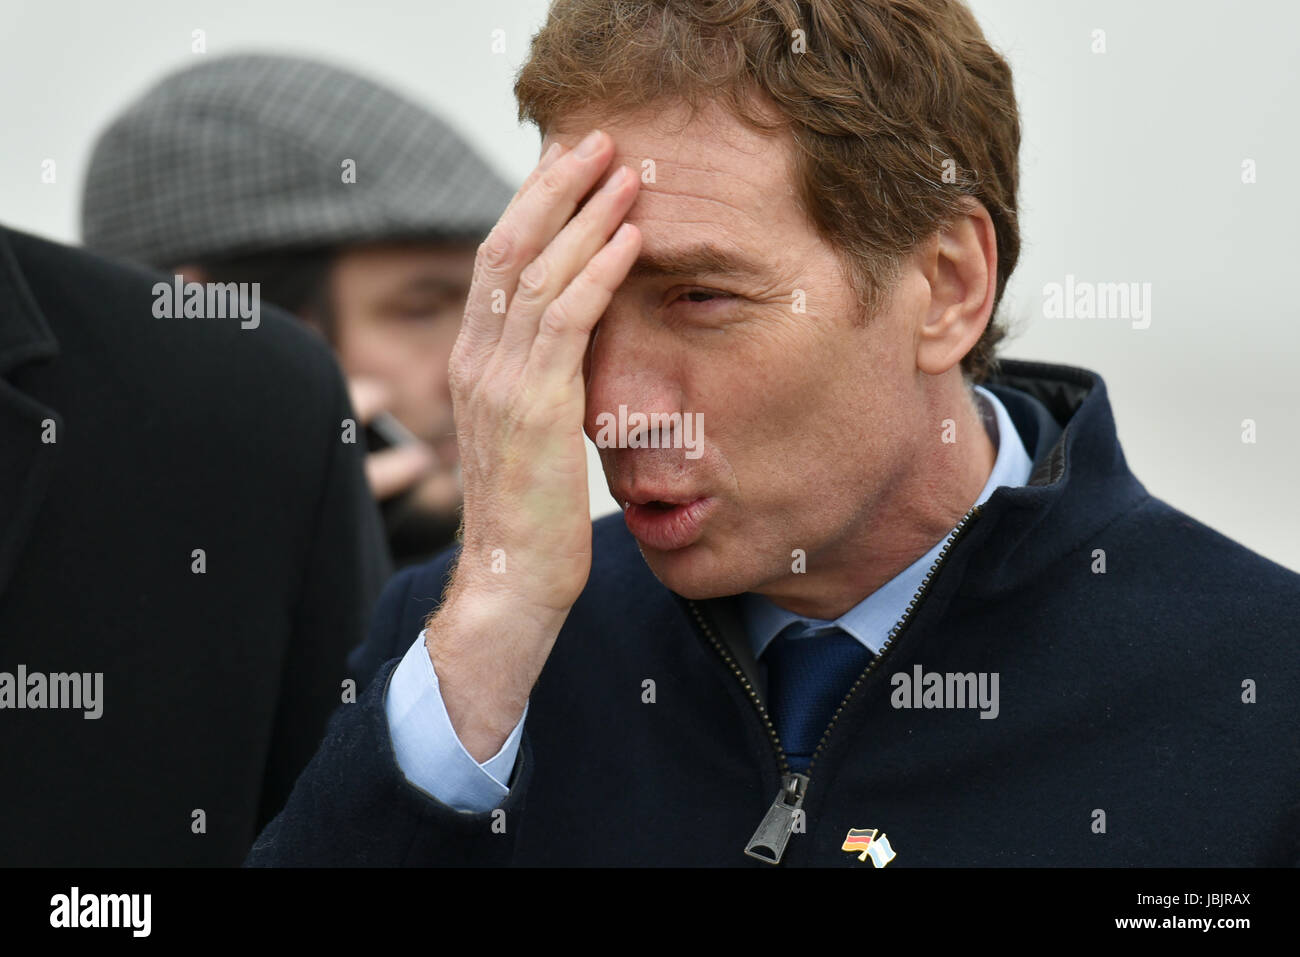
[{"x": 807, "y": 678}]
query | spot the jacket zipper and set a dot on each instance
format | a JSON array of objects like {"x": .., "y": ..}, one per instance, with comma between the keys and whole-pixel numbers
[{"x": 773, "y": 833}]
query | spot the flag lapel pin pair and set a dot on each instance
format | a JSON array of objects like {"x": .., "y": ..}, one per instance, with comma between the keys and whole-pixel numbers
[{"x": 870, "y": 843}]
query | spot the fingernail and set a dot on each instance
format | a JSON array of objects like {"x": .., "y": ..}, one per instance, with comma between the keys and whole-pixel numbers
[{"x": 590, "y": 146}]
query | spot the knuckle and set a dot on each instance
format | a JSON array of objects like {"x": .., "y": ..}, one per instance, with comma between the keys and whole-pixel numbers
[
  {"x": 590, "y": 289},
  {"x": 585, "y": 283},
  {"x": 532, "y": 281},
  {"x": 551, "y": 182},
  {"x": 556, "y": 320},
  {"x": 495, "y": 251}
]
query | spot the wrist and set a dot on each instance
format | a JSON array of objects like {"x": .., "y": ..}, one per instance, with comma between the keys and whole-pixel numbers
[{"x": 487, "y": 652}]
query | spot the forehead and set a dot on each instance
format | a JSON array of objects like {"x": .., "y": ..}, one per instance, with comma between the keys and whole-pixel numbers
[{"x": 710, "y": 176}]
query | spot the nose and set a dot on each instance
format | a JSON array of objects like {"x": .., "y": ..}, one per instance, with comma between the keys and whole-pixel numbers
[{"x": 634, "y": 364}]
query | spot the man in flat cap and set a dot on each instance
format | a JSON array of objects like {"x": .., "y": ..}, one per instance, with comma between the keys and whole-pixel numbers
[{"x": 351, "y": 206}]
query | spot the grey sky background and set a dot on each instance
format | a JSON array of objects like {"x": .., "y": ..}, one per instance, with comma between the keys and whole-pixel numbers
[{"x": 1131, "y": 173}]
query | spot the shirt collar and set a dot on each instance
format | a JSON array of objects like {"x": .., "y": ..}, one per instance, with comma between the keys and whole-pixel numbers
[{"x": 871, "y": 620}]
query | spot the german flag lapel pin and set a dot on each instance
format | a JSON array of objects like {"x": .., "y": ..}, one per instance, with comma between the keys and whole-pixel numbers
[{"x": 868, "y": 842}]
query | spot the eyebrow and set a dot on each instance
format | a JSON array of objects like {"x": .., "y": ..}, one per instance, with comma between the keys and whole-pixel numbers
[{"x": 702, "y": 259}]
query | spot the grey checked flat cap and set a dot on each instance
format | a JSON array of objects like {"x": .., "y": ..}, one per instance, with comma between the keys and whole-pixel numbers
[{"x": 247, "y": 154}]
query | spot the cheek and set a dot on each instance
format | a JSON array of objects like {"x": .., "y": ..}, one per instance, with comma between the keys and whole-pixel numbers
[
  {"x": 761, "y": 421},
  {"x": 785, "y": 388},
  {"x": 393, "y": 351},
  {"x": 363, "y": 347},
  {"x": 795, "y": 424}
]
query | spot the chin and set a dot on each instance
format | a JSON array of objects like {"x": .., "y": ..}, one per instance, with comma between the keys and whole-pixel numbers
[{"x": 697, "y": 571}]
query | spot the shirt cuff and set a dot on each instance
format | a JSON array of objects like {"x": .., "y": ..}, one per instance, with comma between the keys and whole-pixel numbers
[{"x": 427, "y": 748}]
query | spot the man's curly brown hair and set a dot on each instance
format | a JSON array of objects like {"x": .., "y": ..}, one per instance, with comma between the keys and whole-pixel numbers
[{"x": 877, "y": 94}]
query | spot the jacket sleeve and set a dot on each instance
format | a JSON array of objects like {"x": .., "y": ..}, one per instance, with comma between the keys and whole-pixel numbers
[
  {"x": 353, "y": 806},
  {"x": 430, "y": 752},
  {"x": 345, "y": 563}
]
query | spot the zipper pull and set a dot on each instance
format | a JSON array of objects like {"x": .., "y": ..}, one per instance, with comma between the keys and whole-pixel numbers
[{"x": 768, "y": 842}]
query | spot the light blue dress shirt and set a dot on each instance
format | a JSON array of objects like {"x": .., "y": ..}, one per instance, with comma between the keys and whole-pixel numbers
[
  {"x": 871, "y": 620},
  {"x": 432, "y": 757}
]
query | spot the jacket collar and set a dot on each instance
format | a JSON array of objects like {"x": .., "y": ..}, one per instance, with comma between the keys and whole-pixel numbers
[
  {"x": 24, "y": 333},
  {"x": 1080, "y": 483},
  {"x": 27, "y": 465}
]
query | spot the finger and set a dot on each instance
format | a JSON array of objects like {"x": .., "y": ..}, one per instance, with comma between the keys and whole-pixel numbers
[
  {"x": 563, "y": 259},
  {"x": 565, "y": 328},
  {"x": 468, "y": 335},
  {"x": 523, "y": 233},
  {"x": 369, "y": 397},
  {"x": 553, "y": 152},
  {"x": 395, "y": 470}
]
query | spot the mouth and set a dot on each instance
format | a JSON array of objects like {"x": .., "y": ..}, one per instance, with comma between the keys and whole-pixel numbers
[{"x": 667, "y": 524}]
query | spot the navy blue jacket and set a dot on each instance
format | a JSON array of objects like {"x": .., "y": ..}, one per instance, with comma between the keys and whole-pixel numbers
[{"x": 1147, "y": 713}]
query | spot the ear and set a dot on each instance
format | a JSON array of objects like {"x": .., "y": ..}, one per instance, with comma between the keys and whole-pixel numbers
[
  {"x": 960, "y": 263},
  {"x": 191, "y": 272}
]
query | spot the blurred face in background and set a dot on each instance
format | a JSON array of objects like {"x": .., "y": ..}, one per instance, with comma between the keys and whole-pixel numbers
[{"x": 396, "y": 310}]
